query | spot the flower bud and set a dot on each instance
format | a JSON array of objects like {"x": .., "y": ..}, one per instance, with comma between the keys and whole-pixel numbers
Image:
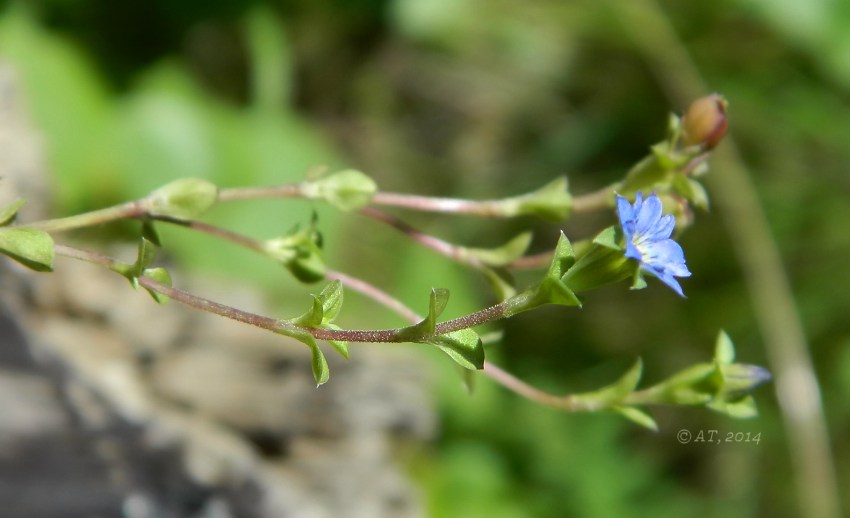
[{"x": 704, "y": 123}]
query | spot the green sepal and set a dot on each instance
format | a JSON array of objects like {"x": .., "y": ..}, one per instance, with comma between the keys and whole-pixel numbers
[
  {"x": 300, "y": 252},
  {"x": 552, "y": 202},
  {"x": 9, "y": 212},
  {"x": 724, "y": 349},
  {"x": 346, "y": 190},
  {"x": 604, "y": 263},
  {"x": 186, "y": 198},
  {"x": 551, "y": 289},
  {"x": 463, "y": 346},
  {"x": 31, "y": 247},
  {"x": 609, "y": 396},
  {"x": 695, "y": 385},
  {"x": 637, "y": 416},
  {"x": 162, "y": 276},
  {"x": 691, "y": 190},
  {"x": 503, "y": 255}
]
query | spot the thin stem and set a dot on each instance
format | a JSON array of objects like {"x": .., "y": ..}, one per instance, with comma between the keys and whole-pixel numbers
[
  {"x": 454, "y": 252},
  {"x": 131, "y": 209},
  {"x": 483, "y": 208},
  {"x": 290, "y": 190},
  {"x": 215, "y": 231},
  {"x": 490, "y": 370}
]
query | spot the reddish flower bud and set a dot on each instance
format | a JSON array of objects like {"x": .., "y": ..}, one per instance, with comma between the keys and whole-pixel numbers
[{"x": 705, "y": 122}]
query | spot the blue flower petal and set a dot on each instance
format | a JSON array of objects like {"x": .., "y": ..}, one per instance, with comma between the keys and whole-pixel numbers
[
  {"x": 648, "y": 215},
  {"x": 647, "y": 235}
]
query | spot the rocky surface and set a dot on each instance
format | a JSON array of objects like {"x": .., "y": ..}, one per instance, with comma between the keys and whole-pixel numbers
[{"x": 114, "y": 405}]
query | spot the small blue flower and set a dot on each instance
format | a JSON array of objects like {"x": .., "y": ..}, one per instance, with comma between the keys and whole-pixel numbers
[{"x": 648, "y": 241}]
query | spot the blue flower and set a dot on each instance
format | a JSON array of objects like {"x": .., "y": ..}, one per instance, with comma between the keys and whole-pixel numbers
[{"x": 648, "y": 241}]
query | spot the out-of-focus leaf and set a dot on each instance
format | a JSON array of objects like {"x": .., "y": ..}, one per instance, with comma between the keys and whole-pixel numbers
[{"x": 30, "y": 247}]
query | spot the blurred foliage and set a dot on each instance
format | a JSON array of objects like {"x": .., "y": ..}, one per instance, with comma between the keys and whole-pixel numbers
[{"x": 483, "y": 98}]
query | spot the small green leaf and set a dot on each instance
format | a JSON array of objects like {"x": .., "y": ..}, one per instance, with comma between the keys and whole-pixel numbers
[
  {"x": 321, "y": 371},
  {"x": 614, "y": 393},
  {"x": 743, "y": 408},
  {"x": 346, "y": 190},
  {"x": 331, "y": 299},
  {"x": 637, "y": 416},
  {"x": 609, "y": 238},
  {"x": 162, "y": 276},
  {"x": 503, "y": 255},
  {"x": 186, "y": 198},
  {"x": 31, "y": 247},
  {"x": 501, "y": 281},
  {"x": 8, "y": 213},
  {"x": 341, "y": 346},
  {"x": 149, "y": 232},
  {"x": 691, "y": 190},
  {"x": 145, "y": 256},
  {"x": 468, "y": 377},
  {"x": 323, "y": 311},
  {"x": 562, "y": 259},
  {"x": 464, "y": 347},
  {"x": 436, "y": 304},
  {"x": 724, "y": 349},
  {"x": 551, "y": 202}
]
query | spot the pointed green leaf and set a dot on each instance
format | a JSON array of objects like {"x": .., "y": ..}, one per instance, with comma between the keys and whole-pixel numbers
[
  {"x": 149, "y": 232},
  {"x": 186, "y": 198},
  {"x": 162, "y": 276},
  {"x": 321, "y": 371},
  {"x": 144, "y": 257},
  {"x": 464, "y": 347},
  {"x": 609, "y": 238},
  {"x": 501, "y": 281},
  {"x": 503, "y": 255},
  {"x": 562, "y": 259},
  {"x": 30, "y": 247},
  {"x": 740, "y": 409},
  {"x": 615, "y": 392},
  {"x": 724, "y": 349},
  {"x": 468, "y": 377},
  {"x": 8, "y": 213},
  {"x": 436, "y": 304},
  {"x": 331, "y": 298},
  {"x": 551, "y": 202},
  {"x": 691, "y": 190},
  {"x": 341, "y": 346},
  {"x": 637, "y": 416}
]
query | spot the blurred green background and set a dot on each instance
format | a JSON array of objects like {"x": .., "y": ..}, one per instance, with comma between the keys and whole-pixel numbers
[{"x": 486, "y": 99}]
